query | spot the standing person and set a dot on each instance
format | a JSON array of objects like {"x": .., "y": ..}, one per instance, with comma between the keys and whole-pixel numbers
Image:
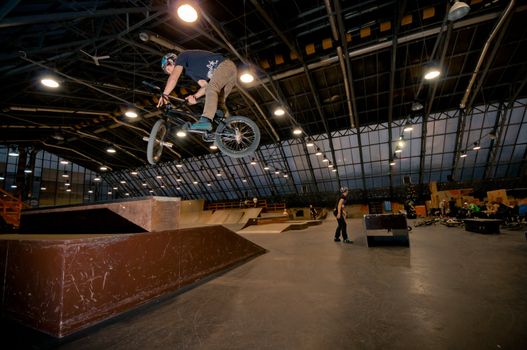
[
  {"x": 442, "y": 207},
  {"x": 312, "y": 212},
  {"x": 340, "y": 213},
  {"x": 215, "y": 75}
]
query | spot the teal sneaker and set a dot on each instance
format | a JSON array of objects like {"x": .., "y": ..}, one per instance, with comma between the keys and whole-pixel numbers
[{"x": 202, "y": 124}]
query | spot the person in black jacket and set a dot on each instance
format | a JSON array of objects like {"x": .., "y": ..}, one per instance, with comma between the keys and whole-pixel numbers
[{"x": 340, "y": 213}]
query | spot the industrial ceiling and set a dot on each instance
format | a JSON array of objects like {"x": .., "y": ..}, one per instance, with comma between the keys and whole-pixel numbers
[{"x": 334, "y": 65}]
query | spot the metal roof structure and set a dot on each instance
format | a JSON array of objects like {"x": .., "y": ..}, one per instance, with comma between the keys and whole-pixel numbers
[{"x": 350, "y": 74}]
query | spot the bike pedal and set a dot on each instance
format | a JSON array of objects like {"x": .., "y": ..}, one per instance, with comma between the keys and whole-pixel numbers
[{"x": 208, "y": 137}]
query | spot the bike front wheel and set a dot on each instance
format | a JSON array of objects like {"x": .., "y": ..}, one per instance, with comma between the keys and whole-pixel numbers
[
  {"x": 155, "y": 141},
  {"x": 237, "y": 136}
]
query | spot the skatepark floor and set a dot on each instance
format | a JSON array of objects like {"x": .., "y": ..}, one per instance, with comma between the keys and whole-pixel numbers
[{"x": 451, "y": 289}]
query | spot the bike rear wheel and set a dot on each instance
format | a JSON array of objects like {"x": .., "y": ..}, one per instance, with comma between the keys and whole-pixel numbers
[
  {"x": 155, "y": 141},
  {"x": 237, "y": 136}
]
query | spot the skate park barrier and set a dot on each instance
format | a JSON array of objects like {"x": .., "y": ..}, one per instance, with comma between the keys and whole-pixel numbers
[
  {"x": 60, "y": 284},
  {"x": 126, "y": 216}
]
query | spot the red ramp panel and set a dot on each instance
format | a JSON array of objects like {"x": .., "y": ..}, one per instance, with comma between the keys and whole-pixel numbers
[{"x": 59, "y": 284}]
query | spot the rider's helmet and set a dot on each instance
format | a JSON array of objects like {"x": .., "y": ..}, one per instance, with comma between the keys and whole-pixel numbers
[
  {"x": 169, "y": 58},
  {"x": 343, "y": 189}
]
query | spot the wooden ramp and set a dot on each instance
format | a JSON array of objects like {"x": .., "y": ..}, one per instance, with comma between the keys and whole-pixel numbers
[
  {"x": 60, "y": 284},
  {"x": 232, "y": 218},
  {"x": 147, "y": 214},
  {"x": 279, "y": 227}
]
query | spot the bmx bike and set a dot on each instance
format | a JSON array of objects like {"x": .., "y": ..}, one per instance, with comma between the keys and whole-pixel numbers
[{"x": 235, "y": 136}]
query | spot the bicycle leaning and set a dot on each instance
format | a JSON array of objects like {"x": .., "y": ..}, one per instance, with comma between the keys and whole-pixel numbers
[{"x": 235, "y": 136}]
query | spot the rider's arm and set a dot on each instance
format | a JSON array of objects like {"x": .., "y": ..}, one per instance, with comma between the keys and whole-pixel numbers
[
  {"x": 339, "y": 208},
  {"x": 203, "y": 86},
  {"x": 192, "y": 99},
  {"x": 172, "y": 80}
]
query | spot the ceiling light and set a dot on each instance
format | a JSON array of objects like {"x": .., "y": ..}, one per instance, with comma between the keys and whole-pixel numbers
[
  {"x": 130, "y": 114},
  {"x": 458, "y": 11},
  {"x": 325, "y": 159},
  {"x": 277, "y": 172},
  {"x": 279, "y": 111},
  {"x": 43, "y": 188},
  {"x": 209, "y": 184},
  {"x": 151, "y": 191},
  {"x": 476, "y": 146},
  {"x": 334, "y": 170},
  {"x": 219, "y": 173},
  {"x": 162, "y": 186},
  {"x": 95, "y": 178},
  {"x": 297, "y": 131},
  {"x": 13, "y": 186},
  {"x": 134, "y": 172},
  {"x": 65, "y": 174},
  {"x": 432, "y": 72},
  {"x": 115, "y": 188},
  {"x": 111, "y": 150},
  {"x": 90, "y": 191},
  {"x": 127, "y": 194},
  {"x": 2, "y": 177},
  {"x": 179, "y": 165},
  {"x": 463, "y": 154},
  {"x": 123, "y": 182},
  {"x": 195, "y": 182},
  {"x": 68, "y": 189},
  {"x": 330, "y": 165},
  {"x": 310, "y": 142},
  {"x": 57, "y": 136},
  {"x": 401, "y": 142},
  {"x": 50, "y": 82},
  {"x": 144, "y": 184},
  {"x": 213, "y": 146},
  {"x": 319, "y": 153},
  {"x": 416, "y": 106},
  {"x": 408, "y": 126},
  {"x": 285, "y": 175},
  {"x": 27, "y": 171},
  {"x": 246, "y": 77},
  {"x": 266, "y": 167},
  {"x": 392, "y": 162},
  {"x": 65, "y": 162},
  {"x": 178, "y": 188},
  {"x": 13, "y": 152},
  {"x": 187, "y": 13},
  {"x": 103, "y": 168},
  {"x": 253, "y": 161},
  {"x": 158, "y": 177},
  {"x": 398, "y": 149},
  {"x": 244, "y": 180},
  {"x": 181, "y": 133}
]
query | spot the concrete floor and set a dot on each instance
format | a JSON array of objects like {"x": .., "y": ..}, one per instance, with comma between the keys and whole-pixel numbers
[{"x": 451, "y": 289}]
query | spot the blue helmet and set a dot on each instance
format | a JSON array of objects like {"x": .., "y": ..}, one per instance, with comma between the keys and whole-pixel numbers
[{"x": 169, "y": 58}]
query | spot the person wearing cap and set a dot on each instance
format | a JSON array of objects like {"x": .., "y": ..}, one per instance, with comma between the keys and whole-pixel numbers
[
  {"x": 215, "y": 74},
  {"x": 340, "y": 213}
]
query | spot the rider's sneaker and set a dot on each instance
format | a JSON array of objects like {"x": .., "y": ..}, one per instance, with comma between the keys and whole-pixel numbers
[
  {"x": 348, "y": 241},
  {"x": 202, "y": 124},
  {"x": 337, "y": 239}
]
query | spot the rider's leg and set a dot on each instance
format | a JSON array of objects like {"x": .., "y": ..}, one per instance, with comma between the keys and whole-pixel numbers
[{"x": 225, "y": 74}]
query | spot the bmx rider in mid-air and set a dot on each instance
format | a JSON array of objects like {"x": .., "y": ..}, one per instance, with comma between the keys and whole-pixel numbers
[{"x": 215, "y": 75}]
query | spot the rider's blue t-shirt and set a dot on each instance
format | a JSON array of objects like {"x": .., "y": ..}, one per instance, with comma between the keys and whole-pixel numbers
[{"x": 199, "y": 64}]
